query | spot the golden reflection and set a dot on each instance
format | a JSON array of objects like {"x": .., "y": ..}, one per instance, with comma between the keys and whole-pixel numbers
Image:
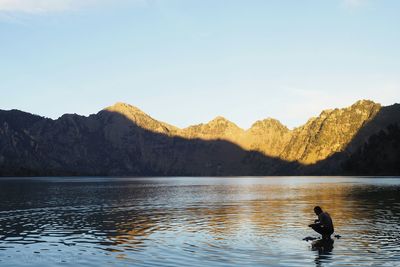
[
  {"x": 270, "y": 210},
  {"x": 134, "y": 230}
]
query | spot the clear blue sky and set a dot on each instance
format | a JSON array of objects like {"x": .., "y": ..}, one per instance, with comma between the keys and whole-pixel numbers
[{"x": 187, "y": 61}]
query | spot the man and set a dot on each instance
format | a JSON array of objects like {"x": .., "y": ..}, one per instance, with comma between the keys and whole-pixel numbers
[{"x": 323, "y": 225}]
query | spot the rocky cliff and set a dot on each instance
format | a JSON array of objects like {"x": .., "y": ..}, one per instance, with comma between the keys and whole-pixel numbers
[{"x": 123, "y": 140}]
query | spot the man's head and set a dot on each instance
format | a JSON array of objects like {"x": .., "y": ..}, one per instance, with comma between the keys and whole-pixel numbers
[{"x": 317, "y": 210}]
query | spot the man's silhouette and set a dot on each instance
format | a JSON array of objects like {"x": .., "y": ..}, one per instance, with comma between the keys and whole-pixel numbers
[{"x": 323, "y": 225}]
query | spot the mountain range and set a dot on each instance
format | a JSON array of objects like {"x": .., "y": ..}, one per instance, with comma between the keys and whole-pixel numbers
[{"x": 122, "y": 140}]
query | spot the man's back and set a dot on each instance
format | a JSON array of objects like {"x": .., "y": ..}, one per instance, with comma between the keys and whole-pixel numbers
[{"x": 326, "y": 220}]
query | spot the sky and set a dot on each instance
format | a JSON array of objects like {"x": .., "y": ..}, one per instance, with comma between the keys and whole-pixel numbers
[{"x": 187, "y": 61}]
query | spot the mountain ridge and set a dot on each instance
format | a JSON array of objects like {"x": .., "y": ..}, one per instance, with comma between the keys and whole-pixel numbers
[{"x": 123, "y": 140}]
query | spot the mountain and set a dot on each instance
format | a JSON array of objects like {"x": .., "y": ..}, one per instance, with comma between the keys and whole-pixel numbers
[
  {"x": 137, "y": 117},
  {"x": 329, "y": 133},
  {"x": 269, "y": 137},
  {"x": 218, "y": 128},
  {"x": 122, "y": 140}
]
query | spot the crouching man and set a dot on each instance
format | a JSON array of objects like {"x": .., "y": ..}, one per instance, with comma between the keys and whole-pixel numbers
[{"x": 323, "y": 225}]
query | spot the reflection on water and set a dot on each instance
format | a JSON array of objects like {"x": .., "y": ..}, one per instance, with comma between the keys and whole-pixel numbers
[{"x": 196, "y": 221}]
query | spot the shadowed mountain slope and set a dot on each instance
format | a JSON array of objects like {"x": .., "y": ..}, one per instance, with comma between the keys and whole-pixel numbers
[{"x": 123, "y": 140}]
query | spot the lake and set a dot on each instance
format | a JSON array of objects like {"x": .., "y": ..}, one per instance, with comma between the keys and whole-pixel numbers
[{"x": 242, "y": 221}]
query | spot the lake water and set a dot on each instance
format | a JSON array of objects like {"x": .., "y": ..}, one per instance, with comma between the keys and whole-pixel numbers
[{"x": 197, "y": 221}]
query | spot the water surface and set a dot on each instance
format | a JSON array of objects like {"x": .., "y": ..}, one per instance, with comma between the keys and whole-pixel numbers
[{"x": 196, "y": 221}]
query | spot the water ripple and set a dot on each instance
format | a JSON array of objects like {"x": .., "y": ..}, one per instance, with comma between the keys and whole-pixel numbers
[{"x": 195, "y": 222}]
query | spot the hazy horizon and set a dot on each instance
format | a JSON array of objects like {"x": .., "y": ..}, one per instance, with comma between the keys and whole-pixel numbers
[{"x": 186, "y": 62}]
